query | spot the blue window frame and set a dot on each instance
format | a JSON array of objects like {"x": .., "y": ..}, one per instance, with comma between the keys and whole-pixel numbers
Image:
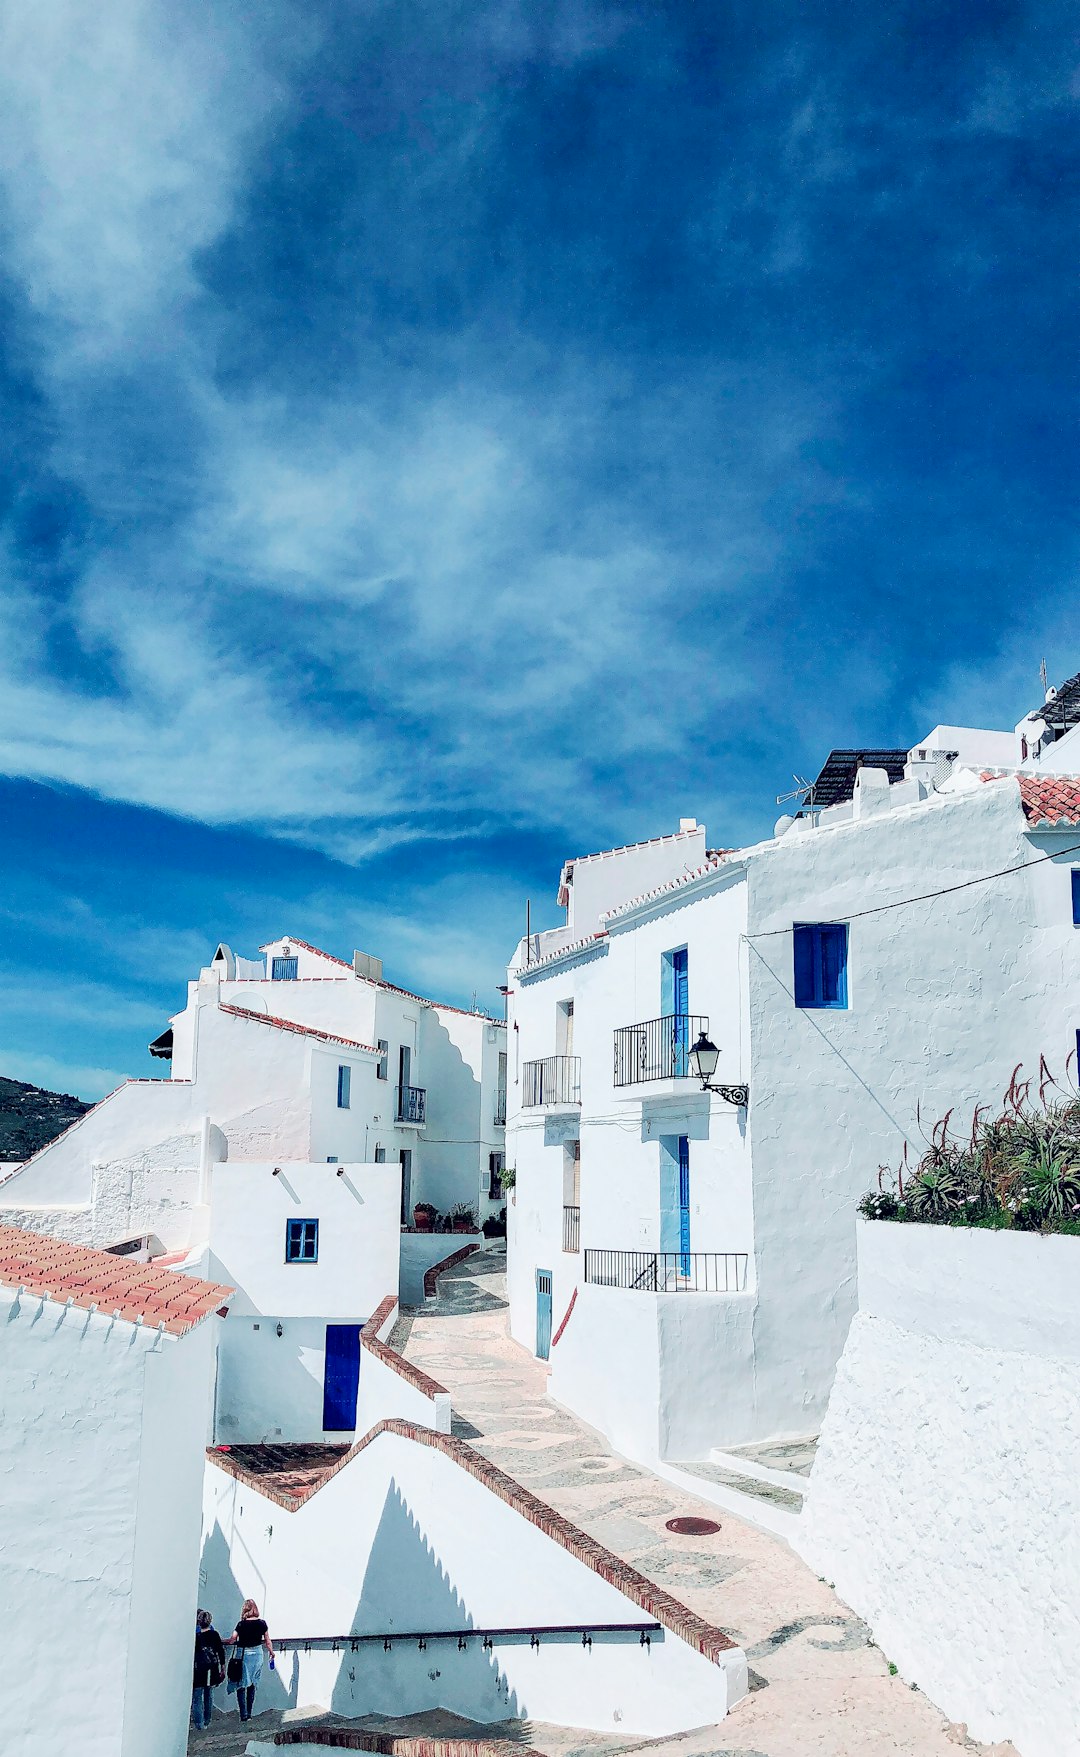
[
  {"x": 301, "y": 1241},
  {"x": 283, "y": 970},
  {"x": 344, "y": 1086},
  {"x": 1076, "y": 895},
  {"x": 821, "y": 958}
]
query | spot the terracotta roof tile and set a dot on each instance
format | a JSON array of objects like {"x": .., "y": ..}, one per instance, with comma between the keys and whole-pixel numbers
[
  {"x": 392, "y": 986},
  {"x": 140, "y": 1292},
  {"x": 291, "y": 1025},
  {"x": 1046, "y": 799}
]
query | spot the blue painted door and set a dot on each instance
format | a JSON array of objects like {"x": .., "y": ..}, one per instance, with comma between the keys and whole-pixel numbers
[
  {"x": 680, "y": 995},
  {"x": 341, "y": 1379},
  {"x": 684, "y": 1205},
  {"x": 543, "y": 1313}
]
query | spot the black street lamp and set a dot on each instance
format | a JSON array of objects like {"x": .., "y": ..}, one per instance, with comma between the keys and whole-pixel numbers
[{"x": 703, "y": 1059}]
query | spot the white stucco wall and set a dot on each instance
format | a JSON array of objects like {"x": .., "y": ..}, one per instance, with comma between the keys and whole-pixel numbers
[
  {"x": 101, "y": 1456},
  {"x": 943, "y": 1502},
  {"x": 270, "y": 1387},
  {"x": 945, "y": 997},
  {"x": 403, "y": 1538}
]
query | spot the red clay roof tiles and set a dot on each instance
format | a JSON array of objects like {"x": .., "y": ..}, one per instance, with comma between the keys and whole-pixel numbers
[
  {"x": 95, "y": 1279},
  {"x": 1046, "y": 799},
  {"x": 291, "y": 1025}
]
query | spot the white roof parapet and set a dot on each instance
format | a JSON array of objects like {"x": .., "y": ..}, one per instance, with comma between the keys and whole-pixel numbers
[
  {"x": 591, "y": 942},
  {"x": 701, "y": 876}
]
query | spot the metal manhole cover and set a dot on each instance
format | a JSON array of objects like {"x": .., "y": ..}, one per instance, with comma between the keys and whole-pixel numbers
[{"x": 690, "y": 1526}]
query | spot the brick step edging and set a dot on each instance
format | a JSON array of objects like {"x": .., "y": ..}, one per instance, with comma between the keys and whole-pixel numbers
[
  {"x": 431, "y": 1276},
  {"x": 405, "y": 1369},
  {"x": 396, "y": 1745}
]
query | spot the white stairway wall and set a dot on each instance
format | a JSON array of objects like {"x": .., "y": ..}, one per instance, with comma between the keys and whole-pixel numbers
[
  {"x": 944, "y": 1501},
  {"x": 403, "y": 1537}
]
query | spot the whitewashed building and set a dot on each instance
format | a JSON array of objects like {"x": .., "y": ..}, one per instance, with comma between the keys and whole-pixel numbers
[
  {"x": 311, "y": 1106},
  {"x": 685, "y": 1258},
  {"x": 106, "y": 1375}
]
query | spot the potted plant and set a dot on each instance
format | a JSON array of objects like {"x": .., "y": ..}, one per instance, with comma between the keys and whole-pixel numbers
[
  {"x": 495, "y": 1225},
  {"x": 507, "y": 1181},
  {"x": 424, "y": 1215},
  {"x": 462, "y": 1218}
]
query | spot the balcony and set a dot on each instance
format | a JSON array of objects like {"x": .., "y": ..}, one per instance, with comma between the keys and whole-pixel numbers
[
  {"x": 500, "y": 1109},
  {"x": 657, "y": 1049},
  {"x": 668, "y": 1271},
  {"x": 554, "y": 1080},
  {"x": 571, "y": 1229},
  {"x": 411, "y": 1106}
]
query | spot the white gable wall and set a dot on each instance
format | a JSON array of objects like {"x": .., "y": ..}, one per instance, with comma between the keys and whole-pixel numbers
[
  {"x": 945, "y": 998},
  {"x": 101, "y": 1454}
]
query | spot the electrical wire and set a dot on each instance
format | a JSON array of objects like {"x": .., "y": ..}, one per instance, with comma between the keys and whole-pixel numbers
[{"x": 929, "y": 896}]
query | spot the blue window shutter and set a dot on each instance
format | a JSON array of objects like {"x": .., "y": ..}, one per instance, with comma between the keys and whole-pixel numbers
[
  {"x": 669, "y": 1193},
  {"x": 804, "y": 966},
  {"x": 284, "y": 970},
  {"x": 1076, "y": 895},
  {"x": 833, "y": 967},
  {"x": 820, "y": 963},
  {"x": 344, "y": 1083}
]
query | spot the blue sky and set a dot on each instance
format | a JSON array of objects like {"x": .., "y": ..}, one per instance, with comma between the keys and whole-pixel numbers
[{"x": 442, "y": 438}]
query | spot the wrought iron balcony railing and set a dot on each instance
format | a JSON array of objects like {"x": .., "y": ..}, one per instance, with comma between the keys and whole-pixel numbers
[
  {"x": 411, "y": 1104},
  {"x": 554, "y": 1080},
  {"x": 571, "y": 1229},
  {"x": 500, "y": 1110},
  {"x": 668, "y": 1271},
  {"x": 657, "y": 1049}
]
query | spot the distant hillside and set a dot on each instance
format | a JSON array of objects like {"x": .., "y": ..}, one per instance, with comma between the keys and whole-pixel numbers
[{"x": 29, "y": 1117}]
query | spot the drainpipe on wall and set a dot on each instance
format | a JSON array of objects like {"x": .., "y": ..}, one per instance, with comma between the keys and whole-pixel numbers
[{"x": 204, "y": 1163}]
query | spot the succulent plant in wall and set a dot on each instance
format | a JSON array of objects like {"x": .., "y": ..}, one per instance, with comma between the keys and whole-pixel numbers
[{"x": 1018, "y": 1168}]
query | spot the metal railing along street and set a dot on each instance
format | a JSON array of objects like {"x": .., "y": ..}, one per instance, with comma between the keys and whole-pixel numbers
[
  {"x": 657, "y": 1049},
  {"x": 580, "y": 1633},
  {"x": 571, "y": 1229},
  {"x": 411, "y": 1104},
  {"x": 554, "y": 1080},
  {"x": 668, "y": 1271}
]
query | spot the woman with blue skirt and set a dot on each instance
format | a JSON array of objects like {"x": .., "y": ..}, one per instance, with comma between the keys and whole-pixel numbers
[{"x": 250, "y": 1638}]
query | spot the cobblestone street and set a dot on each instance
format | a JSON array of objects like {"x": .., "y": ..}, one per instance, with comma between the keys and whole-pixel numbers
[{"x": 817, "y": 1688}]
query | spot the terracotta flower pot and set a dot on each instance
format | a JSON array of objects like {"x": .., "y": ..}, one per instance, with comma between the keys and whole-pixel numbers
[{"x": 422, "y": 1220}]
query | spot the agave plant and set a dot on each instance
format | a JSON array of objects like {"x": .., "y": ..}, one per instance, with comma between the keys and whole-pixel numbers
[
  {"x": 937, "y": 1189},
  {"x": 1018, "y": 1168},
  {"x": 1050, "y": 1174}
]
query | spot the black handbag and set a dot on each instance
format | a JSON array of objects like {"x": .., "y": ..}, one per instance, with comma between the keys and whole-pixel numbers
[{"x": 235, "y": 1668}]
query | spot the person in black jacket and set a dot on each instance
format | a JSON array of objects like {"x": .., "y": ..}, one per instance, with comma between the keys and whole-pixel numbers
[{"x": 209, "y": 1668}]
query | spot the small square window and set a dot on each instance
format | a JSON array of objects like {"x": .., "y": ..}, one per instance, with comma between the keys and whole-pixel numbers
[
  {"x": 301, "y": 1241},
  {"x": 284, "y": 970},
  {"x": 1076, "y": 895},
  {"x": 383, "y": 1064},
  {"x": 821, "y": 955},
  {"x": 344, "y": 1086}
]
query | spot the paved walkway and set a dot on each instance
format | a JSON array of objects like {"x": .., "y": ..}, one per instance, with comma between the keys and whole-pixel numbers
[{"x": 818, "y": 1689}]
